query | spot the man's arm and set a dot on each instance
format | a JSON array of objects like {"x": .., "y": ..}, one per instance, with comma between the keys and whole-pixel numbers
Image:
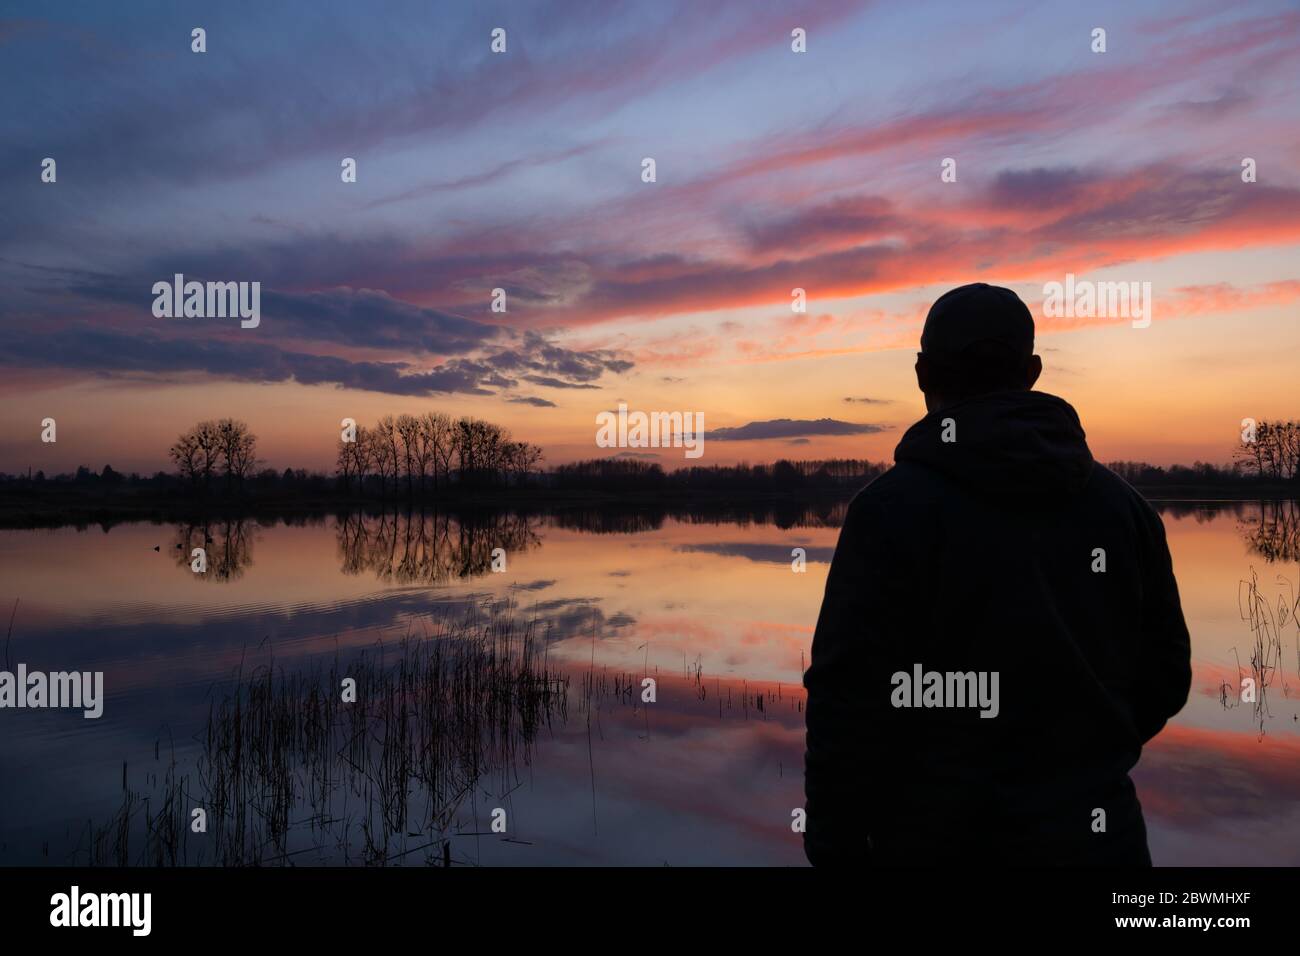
[
  {"x": 1166, "y": 653},
  {"x": 838, "y": 715}
]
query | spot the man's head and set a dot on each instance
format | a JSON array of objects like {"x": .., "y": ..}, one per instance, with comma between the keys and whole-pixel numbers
[{"x": 977, "y": 339}]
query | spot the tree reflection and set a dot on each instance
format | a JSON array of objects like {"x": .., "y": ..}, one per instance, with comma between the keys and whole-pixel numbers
[
  {"x": 429, "y": 547},
  {"x": 227, "y": 544},
  {"x": 1272, "y": 529}
]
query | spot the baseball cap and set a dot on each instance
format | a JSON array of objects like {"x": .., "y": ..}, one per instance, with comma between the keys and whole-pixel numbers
[{"x": 976, "y": 313}]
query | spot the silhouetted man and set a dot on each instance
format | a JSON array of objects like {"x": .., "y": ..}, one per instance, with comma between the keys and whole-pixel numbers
[{"x": 1001, "y": 631}]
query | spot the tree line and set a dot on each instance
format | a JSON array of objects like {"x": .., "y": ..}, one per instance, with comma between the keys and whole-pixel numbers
[
  {"x": 414, "y": 455},
  {"x": 783, "y": 475},
  {"x": 224, "y": 449},
  {"x": 429, "y": 453},
  {"x": 1271, "y": 454},
  {"x": 1274, "y": 452}
]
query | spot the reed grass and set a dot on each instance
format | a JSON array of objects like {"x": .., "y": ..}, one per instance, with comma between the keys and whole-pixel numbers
[{"x": 288, "y": 771}]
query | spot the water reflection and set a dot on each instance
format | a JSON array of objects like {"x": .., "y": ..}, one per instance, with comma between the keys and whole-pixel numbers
[
  {"x": 1269, "y": 613},
  {"x": 368, "y": 761},
  {"x": 1272, "y": 529},
  {"x": 227, "y": 545},
  {"x": 432, "y": 547},
  {"x": 706, "y": 603},
  {"x": 783, "y": 514},
  {"x": 423, "y": 547}
]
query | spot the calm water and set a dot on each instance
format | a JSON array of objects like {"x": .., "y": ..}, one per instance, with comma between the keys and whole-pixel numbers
[{"x": 707, "y": 605}]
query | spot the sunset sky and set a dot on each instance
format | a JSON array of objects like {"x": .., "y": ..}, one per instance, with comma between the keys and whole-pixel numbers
[{"x": 523, "y": 170}]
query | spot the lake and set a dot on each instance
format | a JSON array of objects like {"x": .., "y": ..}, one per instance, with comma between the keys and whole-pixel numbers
[{"x": 545, "y": 751}]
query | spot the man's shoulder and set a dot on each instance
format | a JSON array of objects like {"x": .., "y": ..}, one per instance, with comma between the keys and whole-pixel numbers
[
  {"x": 910, "y": 485},
  {"x": 1104, "y": 483},
  {"x": 902, "y": 480},
  {"x": 896, "y": 492},
  {"x": 1117, "y": 493}
]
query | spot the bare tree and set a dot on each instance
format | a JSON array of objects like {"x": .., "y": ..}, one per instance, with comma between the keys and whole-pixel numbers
[
  {"x": 466, "y": 449},
  {"x": 408, "y": 433},
  {"x": 527, "y": 458},
  {"x": 440, "y": 432},
  {"x": 185, "y": 453},
  {"x": 238, "y": 447},
  {"x": 387, "y": 458},
  {"x": 1275, "y": 452},
  {"x": 364, "y": 456},
  {"x": 481, "y": 452},
  {"x": 208, "y": 438},
  {"x": 345, "y": 463}
]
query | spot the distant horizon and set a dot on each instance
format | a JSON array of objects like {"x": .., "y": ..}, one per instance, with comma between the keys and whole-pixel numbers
[{"x": 669, "y": 463}]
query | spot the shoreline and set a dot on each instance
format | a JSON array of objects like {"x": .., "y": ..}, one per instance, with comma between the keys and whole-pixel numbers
[{"x": 53, "y": 508}]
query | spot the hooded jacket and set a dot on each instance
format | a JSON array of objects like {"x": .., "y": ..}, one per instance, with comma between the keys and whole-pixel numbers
[{"x": 995, "y": 550}]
